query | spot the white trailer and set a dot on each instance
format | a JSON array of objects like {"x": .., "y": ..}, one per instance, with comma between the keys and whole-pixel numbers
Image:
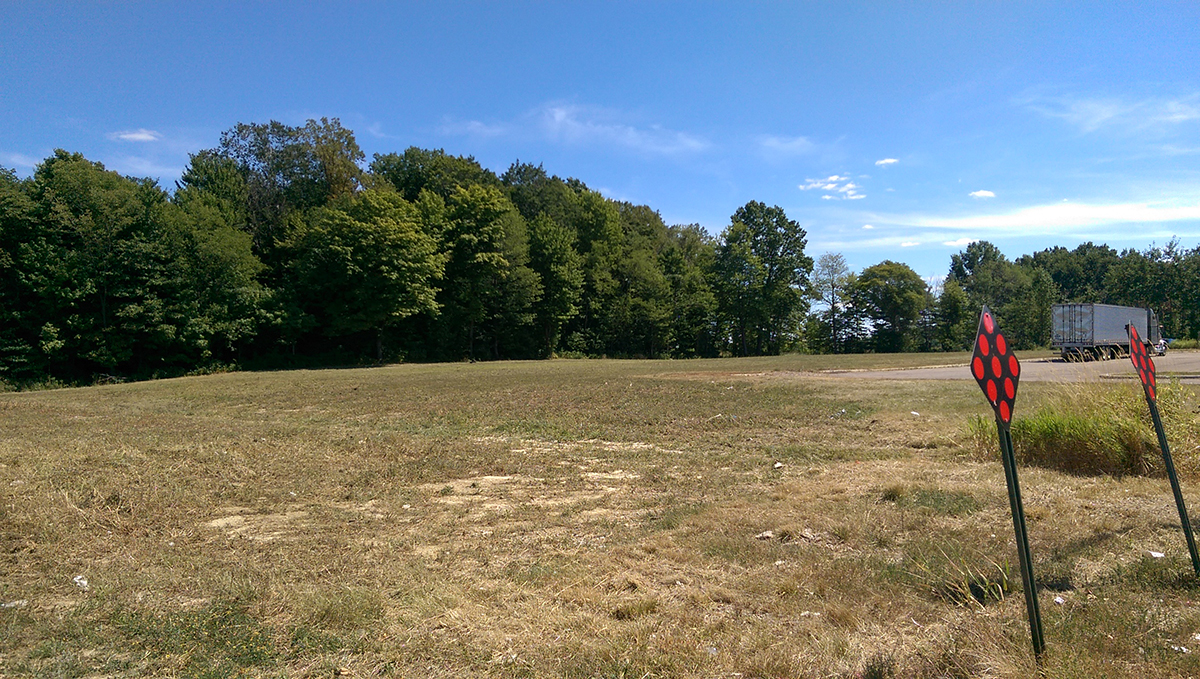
[{"x": 1087, "y": 331}]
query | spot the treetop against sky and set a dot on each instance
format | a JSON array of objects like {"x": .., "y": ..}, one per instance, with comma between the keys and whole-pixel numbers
[{"x": 895, "y": 132}]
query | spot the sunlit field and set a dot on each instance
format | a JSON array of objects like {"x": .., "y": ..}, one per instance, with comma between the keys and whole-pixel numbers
[{"x": 706, "y": 518}]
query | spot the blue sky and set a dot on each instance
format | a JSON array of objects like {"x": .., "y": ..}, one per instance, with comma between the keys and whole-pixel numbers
[{"x": 889, "y": 131}]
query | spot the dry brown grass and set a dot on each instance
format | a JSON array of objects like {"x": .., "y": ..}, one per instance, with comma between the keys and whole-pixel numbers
[{"x": 564, "y": 519}]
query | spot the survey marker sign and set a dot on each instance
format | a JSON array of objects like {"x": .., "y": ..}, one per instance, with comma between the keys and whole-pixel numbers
[
  {"x": 998, "y": 373},
  {"x": 1144, "y": 365},
  {"x": 995, "y": 367}
]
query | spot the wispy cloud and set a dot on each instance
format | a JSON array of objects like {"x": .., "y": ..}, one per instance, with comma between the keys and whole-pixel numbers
[
  {"x": 139, "y": 135},
  {"x": 960, "y": 243},
  {"x": 587, "y": 125},
  {"x": 1090, "y": 114},
  {"x": 18, "y": 160},
  {"x": 867, "y": 226},
  {"x": 376, "y": 131},
  {"x": 834, "y": 187},
  {"x": 1042, "y": 218},
  {"x": 474, "y": 128},
  {"x": 886, "y": 161},
  {"x": 909, "y": 243},
  {"x": 786, "y": 146},
  {"x": 578, "y": 125},
  {"x": 136, "y": 166},
  {"x": 981, "y": 194}
]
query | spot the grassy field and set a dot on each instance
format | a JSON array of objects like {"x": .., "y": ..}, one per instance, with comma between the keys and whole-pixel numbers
[{"x": 726, "y": 518}]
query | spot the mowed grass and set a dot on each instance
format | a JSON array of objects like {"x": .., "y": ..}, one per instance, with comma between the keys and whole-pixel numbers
[{"x": 726, "y": 518}]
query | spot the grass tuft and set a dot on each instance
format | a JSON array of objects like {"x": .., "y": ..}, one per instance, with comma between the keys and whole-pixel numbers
[
  {"x": 937, "y": 500},
  {"x": 221, "y": 639},
  {"x": 1097, "y": 428},
  {"x": 973, "y": 581}
]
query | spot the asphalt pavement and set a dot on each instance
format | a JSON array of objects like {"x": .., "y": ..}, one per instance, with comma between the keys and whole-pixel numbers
[{"x": 1182, "y": 364}]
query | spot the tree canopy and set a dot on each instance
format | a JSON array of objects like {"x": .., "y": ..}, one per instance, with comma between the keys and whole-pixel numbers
[{"x": 279, "y": 247}]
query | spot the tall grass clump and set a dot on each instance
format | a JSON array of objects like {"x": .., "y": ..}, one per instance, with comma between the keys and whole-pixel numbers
[{"x": 1096, "y": 428}]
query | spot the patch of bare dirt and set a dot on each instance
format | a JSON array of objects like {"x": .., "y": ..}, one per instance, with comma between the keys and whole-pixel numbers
[{"x": 259, "y": 527}]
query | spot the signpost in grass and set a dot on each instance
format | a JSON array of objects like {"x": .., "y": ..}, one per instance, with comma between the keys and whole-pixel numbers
[
  {"x": 997, "y": 371},
  {"x": 1145, "y": 370}
]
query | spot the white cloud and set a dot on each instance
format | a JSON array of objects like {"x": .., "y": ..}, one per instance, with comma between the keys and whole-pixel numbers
[
  {"x": 909, "y": 243},
  {"x": 982, "y": 194},
  {"x": 789, "y": 146},
  {"x": 139, "y": 135},
  {"x": 867, "y": 226},
  {"x": 834, "y": 186},
  {"x": 886, "y": 161},
  {"x": 960, "y": 243}
]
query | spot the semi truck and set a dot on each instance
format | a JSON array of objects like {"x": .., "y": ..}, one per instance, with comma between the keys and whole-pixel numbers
[{"x": 1097, "y": 331}]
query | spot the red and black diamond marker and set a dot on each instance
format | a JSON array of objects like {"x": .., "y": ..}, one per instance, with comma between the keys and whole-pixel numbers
[
  {"x": 1145, "y": 370},
  {"x": 997, "y": 371},
  {"x": 995, "y": 367},
  {"x": 1142, "y": 361}
]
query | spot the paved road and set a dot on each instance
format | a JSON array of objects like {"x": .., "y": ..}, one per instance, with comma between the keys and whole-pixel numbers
[{"x": 1183, "y": 364}]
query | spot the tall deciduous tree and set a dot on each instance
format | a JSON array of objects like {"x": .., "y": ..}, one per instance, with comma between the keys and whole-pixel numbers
[
  {"x": 893, "y": 296},
  {"x": 552, "y": 255},
  {"x": 418, "y": 170},
  {"x": 830, "y": 281},
  {"x": 362, "y": 264},
  {"x": 289, "y": 168},
  {"x": 762, "y": 275},
  {"x": 955, "y": 317},
  {"x": 687, "y": 263},
  {"x": 478, "y": 272}
]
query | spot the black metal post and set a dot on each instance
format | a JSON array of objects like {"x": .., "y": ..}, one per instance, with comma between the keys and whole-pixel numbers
[
  {"x": 1166, "y": 453},
  {"x": 1018, "y": 516}
]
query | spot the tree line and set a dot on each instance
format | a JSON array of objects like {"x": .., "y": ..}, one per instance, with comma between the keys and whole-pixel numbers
[
  {"x": 283, "y": 246},
  {"x": 888, "y": 307}
]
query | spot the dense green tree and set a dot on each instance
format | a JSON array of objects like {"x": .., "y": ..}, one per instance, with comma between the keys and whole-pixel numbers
[
  {"x": 553, "y": 257},
  {"x": 277, "y": 242},
  {"x": 20, "y": 356},
  {"x": 100, "y": 267},
  {"x": 1078, "y": 274},
  {"x": 478, "y": 273},
  {"x": 215, "y": 277},
  {"x": 687, "y": 263},
  {"x": 289, "y": 169},
  {"x": 637, "y": 318},
  {"x": 763, "y": 279},
  {"x": 893, "y": 296},
  {"x": 988, "y": 277},
  {"x": 418, "y": 170},
  {"x": 956, "y": 319},
  {"x": 739, "y": 281},
  {"x": 363, "y": 263},
  {"x": 534, "y": 192}
]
